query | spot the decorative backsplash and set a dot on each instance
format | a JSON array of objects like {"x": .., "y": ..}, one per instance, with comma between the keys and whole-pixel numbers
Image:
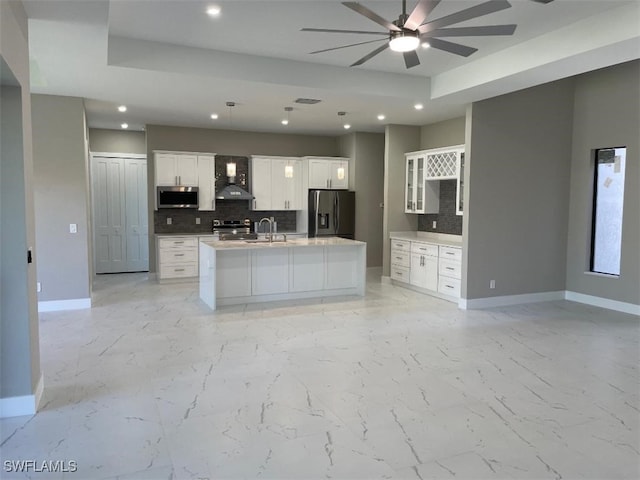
[
  {"x": 184, "y": 221},
  {"x": 446, "y": 221}
]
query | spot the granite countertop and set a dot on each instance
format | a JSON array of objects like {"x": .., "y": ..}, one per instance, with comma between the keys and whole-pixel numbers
[
  {"x": 437, "y": 238},
  {"x": 211, "y": 234},
  {"x": 295, "y": 242}
]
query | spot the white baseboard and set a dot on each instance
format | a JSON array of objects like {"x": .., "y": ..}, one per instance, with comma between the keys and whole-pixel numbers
[
  {"x": 506, "y": 300},
  {"x": 23, "y": 405},
  {"x": 71, "y": 304},
  {"x": 386, "y": 280},
  {"x": 603, "y": 302}
]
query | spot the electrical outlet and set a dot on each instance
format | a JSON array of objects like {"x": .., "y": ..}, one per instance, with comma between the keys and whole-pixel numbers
[
  {"x": 433, "y": 224},
  {"x": 169, "y": 221},
  {"x": 197, "y": 220},
  {"x": 492, "y": 284},
  {"x": 73, "y": 228},
  {"x": 38, "y": 287}
]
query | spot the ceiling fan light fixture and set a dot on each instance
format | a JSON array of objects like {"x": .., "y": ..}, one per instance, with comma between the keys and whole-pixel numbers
[
  {"x": 404, "y": 41},
  {"x": 425, "y": 45}
]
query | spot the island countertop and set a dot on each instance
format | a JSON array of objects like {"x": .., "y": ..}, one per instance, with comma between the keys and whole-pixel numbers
[{"x": 290, "y": 243}]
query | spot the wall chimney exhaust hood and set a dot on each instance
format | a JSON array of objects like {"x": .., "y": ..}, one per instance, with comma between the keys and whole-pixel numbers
[{"x": 232, "y": 191}]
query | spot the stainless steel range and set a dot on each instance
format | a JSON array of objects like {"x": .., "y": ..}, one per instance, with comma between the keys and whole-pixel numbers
[{"x": 234, "y": 230}]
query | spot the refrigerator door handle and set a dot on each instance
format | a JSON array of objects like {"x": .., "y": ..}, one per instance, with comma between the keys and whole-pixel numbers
[
  {"x": 336, "y": 213},
  {"x": 315, "y": 209}
]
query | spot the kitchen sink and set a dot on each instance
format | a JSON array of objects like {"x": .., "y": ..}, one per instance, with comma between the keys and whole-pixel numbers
[{"x": 264, "y": 240}]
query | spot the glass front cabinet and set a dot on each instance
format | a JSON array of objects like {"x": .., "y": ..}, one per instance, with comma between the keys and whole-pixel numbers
[
  {"x": 414, "y": 191},
  {"x": 460, "y": 185},
  {"x": 420, "y": 196}
]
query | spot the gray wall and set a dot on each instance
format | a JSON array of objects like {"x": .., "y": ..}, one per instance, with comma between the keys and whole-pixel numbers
[
  {"x": 366, "y": 177},
  {"x": 117, "y": 141},
  {"x": 19, "y": 339},
  {"x": 518, "y": 151},
  {"x": 227, "y": 142},
  {"x": 606, "y": 114},
  {"x": 61, "y": 197},
  {"x": 399, "y": 139},
  {"x": 443, "y": 134}
]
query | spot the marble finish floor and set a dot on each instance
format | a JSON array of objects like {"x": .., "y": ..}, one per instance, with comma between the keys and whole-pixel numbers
[{"x": 149, "y": 384}]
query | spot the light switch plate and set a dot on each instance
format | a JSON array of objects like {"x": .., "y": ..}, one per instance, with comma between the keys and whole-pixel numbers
[
  {"x": 169, "y": 221},
  {"x": 73, "y": 228},
  {"x": 197, "y": 220}
]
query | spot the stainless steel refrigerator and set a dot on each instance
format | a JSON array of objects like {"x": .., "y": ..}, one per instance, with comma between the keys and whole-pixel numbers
[{"x": 332, "y": 213}]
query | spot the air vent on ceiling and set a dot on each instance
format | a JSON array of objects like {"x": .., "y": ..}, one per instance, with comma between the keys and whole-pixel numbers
[{"x": 307, "y": 101}]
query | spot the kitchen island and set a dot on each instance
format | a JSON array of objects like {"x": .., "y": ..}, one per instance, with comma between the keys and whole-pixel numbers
[{"x": 238, "y": 272}]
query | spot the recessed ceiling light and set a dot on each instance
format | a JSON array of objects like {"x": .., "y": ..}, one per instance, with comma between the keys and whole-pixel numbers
[
  {"x": 347, "y": 126},
  {"x": 213, "y": 11},
  {"x": 122, "y": 108},
  {"x": 214, "y": 116},
  {"x": 125, "y": 125},
  {"x": 381, "y": 117},
  {"x": 418, "y": 106},
  {"x": 425, "y": 45},
  {"x": 285, "y": 122}
]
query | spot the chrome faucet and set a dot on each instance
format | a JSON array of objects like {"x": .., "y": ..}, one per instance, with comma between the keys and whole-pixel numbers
[{"x": 270, "y": 237}]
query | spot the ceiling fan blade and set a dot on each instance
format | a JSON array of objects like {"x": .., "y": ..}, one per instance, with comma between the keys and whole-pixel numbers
[
  {"x": 346, "y": 46},
  {"x": 543, "y": 1},
  {"x": 330, "y": 30},
  {"x": 485, "y": 30},
  {"x": 411, "y": 59},
  {"x": 420, "y": 13},
  {"x": 370, "y": 55},
  {"x": 362, "y": 10},
  {"x": 451, "y": 47},
  {"x": 486, "y": 8}
]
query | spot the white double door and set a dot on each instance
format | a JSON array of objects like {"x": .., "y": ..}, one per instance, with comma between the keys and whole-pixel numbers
[{"x": 120, "y": 218}]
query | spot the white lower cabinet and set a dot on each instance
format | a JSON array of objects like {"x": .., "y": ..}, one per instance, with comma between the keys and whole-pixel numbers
[
  {"x": 450, "y": 270},
  {"x": 306, "y": 269},
  {"x": 427, "y": 266},
  {"x": 270, "y": 271},
  {"x": 342, "y": 268},
  {"x": 233, "y": 273},
  {"x": 177, "y": 257}
]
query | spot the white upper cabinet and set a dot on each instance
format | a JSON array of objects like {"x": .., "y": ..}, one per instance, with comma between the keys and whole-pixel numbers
[
  {"x": 420, "y": 196},
  {"x": 329, "y": 172},
  {"x": 443, "y": 163},
  {"x": 261, "y": 183},
  {"x": 286, "y": 184},
  {"x": 206, "y": 182},
  {"x": 276, "y": 183},
  {"x": 176, "y": 169}
]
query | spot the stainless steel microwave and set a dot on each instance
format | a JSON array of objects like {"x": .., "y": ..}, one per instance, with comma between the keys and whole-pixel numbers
[{"x": 177, "y": 197}]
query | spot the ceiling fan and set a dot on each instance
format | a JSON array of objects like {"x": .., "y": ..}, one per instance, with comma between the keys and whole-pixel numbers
[{"x": 409, "y": 30}]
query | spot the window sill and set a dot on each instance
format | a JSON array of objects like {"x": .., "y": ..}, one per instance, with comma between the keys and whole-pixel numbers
[{"x": 602, "y": 275}]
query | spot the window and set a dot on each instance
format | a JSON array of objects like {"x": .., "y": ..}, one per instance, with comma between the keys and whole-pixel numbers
[{"x": 608, "y": 198}]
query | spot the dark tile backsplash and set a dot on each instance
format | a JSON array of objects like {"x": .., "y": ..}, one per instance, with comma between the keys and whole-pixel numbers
[
  {"x": 446, "y": 221},
  {"x": 184, "y": 221}
]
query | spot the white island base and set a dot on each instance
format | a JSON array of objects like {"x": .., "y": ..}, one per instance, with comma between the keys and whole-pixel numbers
[{"x": 238, "y": 272}]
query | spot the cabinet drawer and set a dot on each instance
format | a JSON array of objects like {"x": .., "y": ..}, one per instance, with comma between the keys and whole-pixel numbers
[
  {"x": 452, "y": 253},
  {"x": 179, "y": 271},
  {"x": 400, "y": 258},
  {"x": 449, "y": 286},
  {"x": 178, "y": 242},
  {"x": 178, "y": 256},
  {"x": 400, "y": 273},
  {"x": 403, "y": 245},
  {"x": 424, "y": 249},
  {"x": 450, "y": 268}
]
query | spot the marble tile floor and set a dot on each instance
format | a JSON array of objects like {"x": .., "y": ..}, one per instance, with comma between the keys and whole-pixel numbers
[{"x": 149, "y": 384}]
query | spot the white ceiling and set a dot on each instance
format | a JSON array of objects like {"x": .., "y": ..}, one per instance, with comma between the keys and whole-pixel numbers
[{"x": 171, "y": 64}]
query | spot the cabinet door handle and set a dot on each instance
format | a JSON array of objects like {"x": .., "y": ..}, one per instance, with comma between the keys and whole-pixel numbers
[
  {"x": 178, "y": 269},
  {"x": 448, "y": 286},
  {"x": 398, "y": 258},
  {"x": 178, "y": 242},
  {"x": 179, "y": 179},
  {"x": 178, "y": 255},
  {"x": 450, "y": 268}
]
